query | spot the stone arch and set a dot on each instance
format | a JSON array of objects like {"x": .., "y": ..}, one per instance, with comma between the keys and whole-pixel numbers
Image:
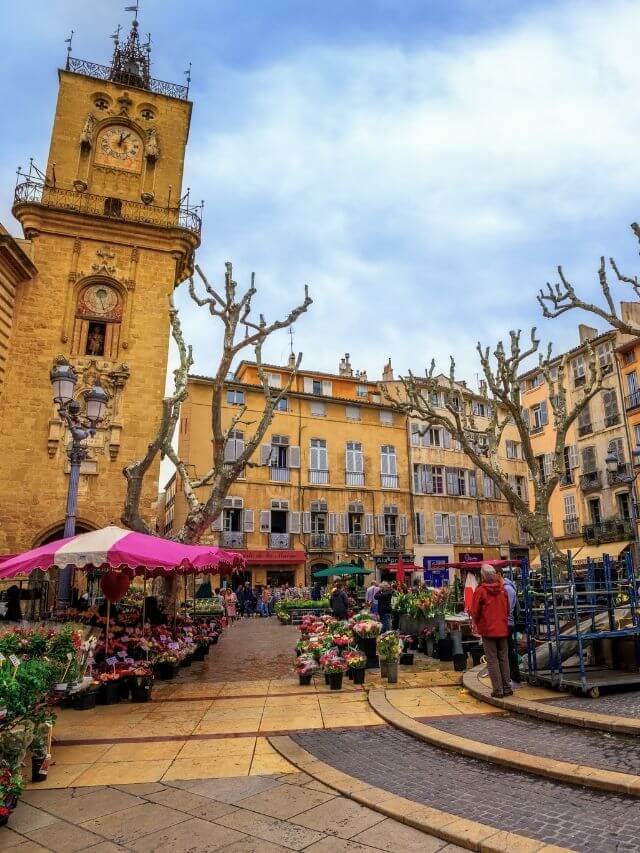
[{"x": 56, "y": 531}]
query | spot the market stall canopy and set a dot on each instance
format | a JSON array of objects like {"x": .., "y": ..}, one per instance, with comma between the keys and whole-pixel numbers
[
  {"x": 342, "y": 569},
  {"x": 124, "y": 550},
  {"x": 401, "y": 569}
]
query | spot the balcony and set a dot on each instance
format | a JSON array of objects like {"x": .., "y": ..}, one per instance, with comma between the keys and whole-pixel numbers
[
  {"x": 318, "y": 478},
  {"x": 392, "y": 542},
  {"x": 278, "y": 540},
  {"x": 571, "y": 526},
  {"x": 566, "y": 479},
  {"x": 320, "y": 542},
  {"x": 358, "y": 542},
  {"x": 232, "y": 539},
  {"x": 279, "y": 475},
  {"x": 623, "y": 476},
  {"x": 389, "y": 481},
  {"x": 106, "y": 72},
  {"x": 355, "y": 479},
  {"x": 35, "y": 192},
  {"x": 585, "y": 429},
  {"x": 609, "y": 530},
  {"x": 591, "y": 480},
  {"x": 536, "y": 429},
  {"x": 612, "y": 420},
  {"x": 632, "y": 401}
]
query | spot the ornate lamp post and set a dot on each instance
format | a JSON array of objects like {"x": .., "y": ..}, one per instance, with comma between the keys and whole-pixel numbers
[
  {"x": 617, "y": 468},
  {"x": 63, "y": 381}
]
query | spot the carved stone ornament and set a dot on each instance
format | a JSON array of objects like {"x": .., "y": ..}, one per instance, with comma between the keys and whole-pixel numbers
[
  {"x": 86, "y": 136},
  {"x": 103, "y": 264},
  {"x": 151, "y": 147},
  {"x": 125, "y": 103}
]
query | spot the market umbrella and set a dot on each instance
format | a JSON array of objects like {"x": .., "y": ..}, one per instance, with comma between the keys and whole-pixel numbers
[
  {"x": 341, "y": 569},
  {"x": 401, "y": 569}
]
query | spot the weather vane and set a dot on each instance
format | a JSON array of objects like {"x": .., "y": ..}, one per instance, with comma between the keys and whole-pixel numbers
[
  {"x": 68, "y": 43},
  {"x": 135, "y": 9}
]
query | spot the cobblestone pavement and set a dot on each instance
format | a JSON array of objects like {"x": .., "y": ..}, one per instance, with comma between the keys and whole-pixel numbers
[
  {"x": 577, "y": 818},
  {"x": 625, "y": 704},
  {"x": 266, "y": 814},
  {"x": 566, "y": 743}
]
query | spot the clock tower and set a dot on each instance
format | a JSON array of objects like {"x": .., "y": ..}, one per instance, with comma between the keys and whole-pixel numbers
[{"x": 108, "y": 236}]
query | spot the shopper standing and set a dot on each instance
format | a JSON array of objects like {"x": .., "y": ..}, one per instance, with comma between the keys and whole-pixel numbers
[
  {"x": 383, "y": 598},
  {"x": 514, "y": 663},
  {"x": 339, "y": 602},
  {"x": 490, "y": 614}
]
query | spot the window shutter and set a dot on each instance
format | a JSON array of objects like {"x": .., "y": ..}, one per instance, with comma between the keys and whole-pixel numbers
[
  {"x": 403, "y": 527},
  {"x": 619, "y": 445},
  {"x": 475, "y": 525},
  {"x": 294, "y": 457},
  {"x": 306, "y": 522},
  {"x": 230, "y": 450},
  {"x": 332, "y": 526},
  {"x": 216, "y": 524},
  {"x": 588, "y": 460},
  {"x": 368, "y": 524},
  {"x": 294, "y": 522},
  {"x": 573, "y": 456},
  {"x": 446, "y": 439},
  {"x": 415, "y": 435},
  {"x": 380, "y": 523},
  {"x": 265, "y": 521},
  {"x": 453, "y": 528},
  {"x": 265, "y": 454},
  {"x": 452, "y": 482},
  {"x": 343, "y": 522},
  {"x": 327, "y": 387},
  {"x": 247, "y": 521},
  {"x": 465, "y": 529},
  {"x": 420, "y": 531},
  {"x": 308, "y": 385},
  {"x": 544, "y": 413},
  {"x": 438, "y": 527},
  {"x": 473, "y": 484},
  {"x": 318, "y": 408}
]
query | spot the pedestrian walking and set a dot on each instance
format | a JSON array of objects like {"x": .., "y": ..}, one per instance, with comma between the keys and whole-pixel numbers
[
  {"x": 490, "y": 614},
  {"x": 265, "y": 601},
  {"x": 514, "y": 661},
  {"x": 339, "y": 602},
  {"x": 383, "y": 598},
  {"x": 230, "y": 603},
  {"x": 370, "y": 596}
]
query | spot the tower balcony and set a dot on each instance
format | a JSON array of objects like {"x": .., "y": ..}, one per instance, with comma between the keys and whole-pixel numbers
[
  {"x": 135, "y": 80},
  {"x": 36, "y": 192}
]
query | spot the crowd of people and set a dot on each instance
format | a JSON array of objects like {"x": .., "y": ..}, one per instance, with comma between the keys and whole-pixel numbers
[{"x": 245, "y": 600}]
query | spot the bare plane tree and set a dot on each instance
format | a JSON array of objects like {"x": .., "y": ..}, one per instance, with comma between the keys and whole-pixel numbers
[
  {"x": 240, "y": 332},
  {"x": 481, "y": 445},
  {"x": 561, "y": 297}
]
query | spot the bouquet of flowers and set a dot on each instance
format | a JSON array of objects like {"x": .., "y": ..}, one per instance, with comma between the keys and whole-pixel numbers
[
  {"x": 332, "y": 662},
  {"x": 389, "y": 646},
  {"x": 367, "y": 628},
  {"x": 355, "y": 659},
  {"x": 169, "y": 657},
  {"x": 306, "y": 664}
]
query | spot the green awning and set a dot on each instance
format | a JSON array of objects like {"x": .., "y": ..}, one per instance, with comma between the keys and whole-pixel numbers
[{"x": 342, "y": 569}]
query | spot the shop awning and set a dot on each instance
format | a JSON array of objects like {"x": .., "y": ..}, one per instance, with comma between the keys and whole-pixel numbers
[
  {"x": 342, "y": 569},
  {"x": 596, "y": 552}
]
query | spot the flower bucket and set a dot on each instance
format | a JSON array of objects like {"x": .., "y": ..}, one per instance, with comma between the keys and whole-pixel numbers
[
  {"x": 358, "y": 675},
  {"x": 392, "y": 671},
  {"x": 8, "y": 806},
  {"x": 335, "y": 680},
  {"x": 406, "y": 658},
  {"x": 460, "y": 662},
  {"x": 186, "y": 661},
  {"x": 39, "y": 767},
  {"x": 445, "y": 650},
  {"x": 125, "y": 689},
  {"x": 429, "y": 646},
  {"x": 305, "y": 679},
  {"x": 476, "y": 655},
  {"x": 199, "y": 653},
  {"x": 326, "y": 678},
  {"x": 384, "y": 668},
  {"x": 85, "y": 700},
  {"x": 108, "y": 693},
  {"x": 165, "y": 671},
  {"x": 350, "y": 672},
  {"x": 141, "y": 687}
]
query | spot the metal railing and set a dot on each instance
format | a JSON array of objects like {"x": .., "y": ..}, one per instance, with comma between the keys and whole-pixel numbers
[
  {"x": 612, "y": 420},
  {"x": 354, "y": 479},
  {"x": 358, "y": 542},
  {"x": 535, "y": 429},
  {"x": 571, "y": 526},
  {"x": 320, "y": 542},
  {"x": 623, "y": 475},
  {"x": 609, "y": 530},
  {"x": 393, "y": 542},
  {"x": 585, "y": 429},
  {"x": 632, "y": 401},
  {"x": 232, "y": 539},
  {"x": 105, "y": 72},
  {"x": 566, "y": 479},
  {"x": 591, "y": 480},
  {"x": 318, "y": 478},
  {"x": 279, "y": 475},
  {"x": 278, "y": 540},
  {"x": 389, "y": 481},
  {"x": 35, "y": 192}
]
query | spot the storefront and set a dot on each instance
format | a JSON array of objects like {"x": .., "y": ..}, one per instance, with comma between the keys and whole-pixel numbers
[{"x": 276, "y": 568}]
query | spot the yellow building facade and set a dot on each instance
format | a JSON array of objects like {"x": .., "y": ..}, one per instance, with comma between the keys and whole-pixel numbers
[
  {"x": 330, "y": 482},
  {"x": 106, "y": 242}
]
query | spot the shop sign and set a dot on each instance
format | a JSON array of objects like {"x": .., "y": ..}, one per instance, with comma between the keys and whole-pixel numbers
[
  {"x": 273, "y": 557},
  {"x": 388, "y": 559}
]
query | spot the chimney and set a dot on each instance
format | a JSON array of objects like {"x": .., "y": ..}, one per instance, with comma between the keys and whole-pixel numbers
[
  {"x": 586, "y": 333},
  {"x": 345, "y": 366},
  {"x": 387, "y": 372},
  {"x": 483, "y": 387}
]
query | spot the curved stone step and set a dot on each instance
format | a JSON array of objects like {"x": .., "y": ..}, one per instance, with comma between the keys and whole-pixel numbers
[
  {"x": 546, "y": 710},
  {"x": 461, "y": 734}
]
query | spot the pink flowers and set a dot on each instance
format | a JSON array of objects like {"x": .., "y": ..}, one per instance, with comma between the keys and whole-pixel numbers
[{"x": 367, "y": 628}]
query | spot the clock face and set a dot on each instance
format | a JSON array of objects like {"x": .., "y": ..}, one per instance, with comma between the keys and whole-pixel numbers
[
  {"x": 100, "y": 301},
  {"x": 120, "y": 146}
]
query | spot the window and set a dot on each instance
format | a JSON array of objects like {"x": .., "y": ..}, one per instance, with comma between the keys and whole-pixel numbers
[
  {"x": 352, "y": 413},
  {"x": 479, "y": 409},
  {"x": 539, "y": 416},
  {"x": 274, "y": 380},
  {"x": 318, "y": 408},
  {"x": 234, "y": 446},
  {"x": 355, "y": 458},
  {"x": 435, "y": 398},
  {"x": 113, "y": 207},
  {"x": 570, "y": 507},
  {"x": 456, "y": 481},
  {"x": 488, "y": 487},
  {"x": 595, "y": 514},
  {"x": 98, "y": 315},
  {"x": 589, "y": 462},
  {"x": 422, "y": 484},
  {"x": 318, "y": 460},
  {"x": 445, "y": 527},
  {"x": 388, "y": 467},
  {"x": 521, "y": 487},
  {"x": 235, "y": 398},
  {"x": 578, "y": 371},
  {"x": 610, "y": 402},
  {"x": 624, "y": 506},
  {"x": 420, "y": 528},
  {"x": 437, "y": 478},
  {"x": 232, "y": 520},
  {"x": 316, "y": 386},
  {"x": 636, "y": 431},
  {"x": 386, "y": 417},
  {"x": 629, "y": 356},
  {"x": 282, "y": 405},
  {"x": 545, "y": 465},
  {"x": 632, "y": 382},
  {"x": 514, "y": 449},
  {"x": 604, "y": 353},
  {"x": 493, "y": 533},
  {"x": 537, "y": 380},
  {"x": 361, "y": 390},
  {"x": 584, "y": 422},
  {"x": 319, "y": 387}
]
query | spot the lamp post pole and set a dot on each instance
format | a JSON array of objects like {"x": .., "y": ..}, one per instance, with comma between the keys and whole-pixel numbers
[{"x": 81, "y": 427}]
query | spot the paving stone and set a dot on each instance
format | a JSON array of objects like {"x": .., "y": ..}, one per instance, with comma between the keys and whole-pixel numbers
[
  {"x": 284, "y": 802},
  {"x": 578, "y": 818},
  {"x": 191, "y": 836},
  {"x": 255, "y": 845},
  {"x": 63, "y": 837},
  {"x": 28, "y": 847},
  {"x": 105, "y": 847},
  {"x": 230, "y": 790},
  {"x": 340, "y": 817},
  {"x": 128, "y": 825},
  {"x": 551, "y": 740},
  {"x": 341, "y": 845},
  {"x": 193, "y": 804},
  {"x": 10, "y": 839},
  {"x": 271, "y": 829},
  {"x": 393, "y": 836},
  {"x": 141, "y": 789},
  {"x": 66, "y": 803},
  {"x": 626, "y": 704},
  {"x": 28, "y": 817}
]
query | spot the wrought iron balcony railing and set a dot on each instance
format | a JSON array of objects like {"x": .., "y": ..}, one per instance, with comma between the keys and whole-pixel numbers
[
  {"x": 354, "y": 479},
  {"x": 609, "y": 530},
  {"x": 279, "y": 475},
  {"x": 318, "y": 478},
  {"x": 278, "y": 540},
  {"x": 320, "y": 542},
  {"x": 632, "y": 401},
  {"x": 358, "y": 542},
  {"x": 393, "y": 542},
  {"x": 591, "y": 480},
  {"x": 571, "y": 526},
  {"x": 585, "y": 429},
  {"x": 105, "y": 72},
  {"x": 232, "y": 539},
  {"x": 35, "y": 192},
  {"x": 389, "y": 481},
  {"x": 623, "y": 475}
]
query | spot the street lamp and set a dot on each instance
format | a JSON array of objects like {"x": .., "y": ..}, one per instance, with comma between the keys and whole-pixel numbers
[
  {"x": 617, "y": 468},
  {"x": 63, "y": 382}
]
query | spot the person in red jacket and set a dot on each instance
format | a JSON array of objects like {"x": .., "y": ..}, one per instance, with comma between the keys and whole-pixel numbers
[{"x": 490, "y": 614}]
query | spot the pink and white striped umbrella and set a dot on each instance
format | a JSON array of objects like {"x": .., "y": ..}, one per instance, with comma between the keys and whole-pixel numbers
[{"x": 131, "y": 553}]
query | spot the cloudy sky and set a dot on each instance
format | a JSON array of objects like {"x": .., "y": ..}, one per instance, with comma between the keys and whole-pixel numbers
[{"x": 423, "y": 165}]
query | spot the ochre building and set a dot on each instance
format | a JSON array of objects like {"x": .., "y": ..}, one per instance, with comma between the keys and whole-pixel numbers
[{"x": 105, "y": 243}]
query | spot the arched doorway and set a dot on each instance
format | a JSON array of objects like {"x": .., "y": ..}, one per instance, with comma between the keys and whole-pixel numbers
[
  {"x": 42, "y": 586},
  {"x": 58, "y": 533}
]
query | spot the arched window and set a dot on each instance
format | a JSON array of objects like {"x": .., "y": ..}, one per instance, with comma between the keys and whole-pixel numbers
[{"x": 98, "y": 317}]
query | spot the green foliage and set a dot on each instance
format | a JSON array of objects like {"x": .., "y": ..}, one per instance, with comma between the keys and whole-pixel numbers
[
  {"x": 24, "y": 690},
  {"x": 286, "y": 605}
]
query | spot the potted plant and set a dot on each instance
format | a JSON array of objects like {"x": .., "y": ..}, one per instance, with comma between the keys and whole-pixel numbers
[
  {"x": 389, "y": 650},
  {"x": 11, "y": 785},
  {"x": 85, "y": 699},
  {"x": 306, "y": 665},
  {"x": 141, "y": 681},
  {"x": 166, "y": 665},
  {"x": 335, "y": 667},
  {"x": 366, "y": 630},
  {"x": 40, "y": 755},
  {"x": 357, "y": 664},
  {"x": 109, "y": 690}
]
